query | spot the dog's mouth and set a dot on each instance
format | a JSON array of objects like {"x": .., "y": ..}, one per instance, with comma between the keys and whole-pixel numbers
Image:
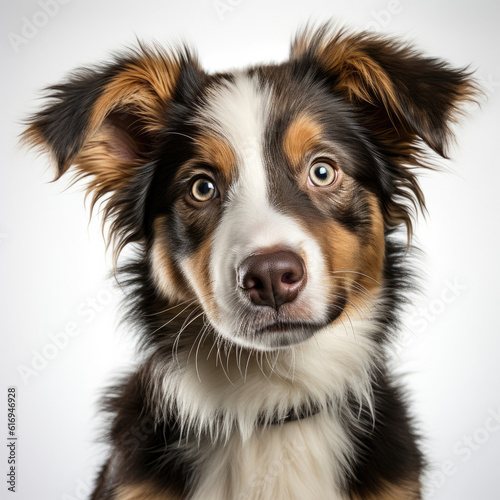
[
  {"x": 282, "y": 332},
  {"x": 284, "y": 326}
]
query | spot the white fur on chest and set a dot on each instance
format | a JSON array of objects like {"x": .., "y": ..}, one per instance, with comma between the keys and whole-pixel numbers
[
  {"x": 296, "y": 461},
  {"x": 221, "y": 393},
  {"x": 219, "y": 401}
]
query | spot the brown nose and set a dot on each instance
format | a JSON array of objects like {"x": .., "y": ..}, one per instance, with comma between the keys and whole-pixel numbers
[{"x": 272, "y": 279}]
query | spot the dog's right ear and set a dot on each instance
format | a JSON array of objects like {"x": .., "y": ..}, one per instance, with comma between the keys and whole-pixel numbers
[
  {"x": 105, "y": 122},
  {"x": 404, "y": 98}
]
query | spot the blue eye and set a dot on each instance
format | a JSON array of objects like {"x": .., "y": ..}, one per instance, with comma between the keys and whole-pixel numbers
[
  {"x": 322, "y": 174},
  {"x": 203, "y": 189}
]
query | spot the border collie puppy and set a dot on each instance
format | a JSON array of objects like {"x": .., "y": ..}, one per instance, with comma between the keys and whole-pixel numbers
[{"x": 267, "y": 280}]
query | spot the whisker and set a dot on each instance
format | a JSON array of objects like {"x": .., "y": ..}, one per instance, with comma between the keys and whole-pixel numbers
[
  {"x": 222, "y": 363},
  {"x": 183, "y": 135},
  {"x": 170, "y": 321},
  {"x": 357, "y": 272},
  {"x": 211, "y": 349},
  {"x": 250, "y": 354},
  {"x": 204, "y": 332},
  {"x": 192, "y": 346},
  {"x": 172, "y": 307},
  {"x": 355, "y": 284}
]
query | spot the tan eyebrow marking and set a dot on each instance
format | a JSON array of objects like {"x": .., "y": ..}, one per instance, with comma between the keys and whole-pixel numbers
[
  {"x": 301, "y": 136},
  {"x": 217, "y": 153}
]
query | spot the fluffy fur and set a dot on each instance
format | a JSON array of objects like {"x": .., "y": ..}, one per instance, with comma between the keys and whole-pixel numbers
[{"x": 246, "y": 391}]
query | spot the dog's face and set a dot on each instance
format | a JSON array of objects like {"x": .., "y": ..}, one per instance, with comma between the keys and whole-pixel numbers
[
  {"x": 265, "y": 213},
  {"x": 264, "y": 195}
]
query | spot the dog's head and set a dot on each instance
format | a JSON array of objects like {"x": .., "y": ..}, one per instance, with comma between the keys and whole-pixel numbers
[{"x": 266, "y": 194}]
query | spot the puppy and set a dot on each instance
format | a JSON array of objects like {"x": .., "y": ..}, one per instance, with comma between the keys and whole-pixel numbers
[{"x": 263, "y": 205}]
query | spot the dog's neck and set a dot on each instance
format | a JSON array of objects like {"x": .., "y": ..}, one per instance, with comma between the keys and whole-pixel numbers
[
  {"x": 293, "y": 415},
  {"x": 217, "y": 390}
]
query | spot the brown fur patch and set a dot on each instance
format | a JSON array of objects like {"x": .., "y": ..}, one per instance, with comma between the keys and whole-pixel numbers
[
  {"x": 99, "y": 160},
  {"x": 216, "y": 153},
  {"x": 143, "y": 491},
  {"x": 373, "y": 254},
  {"x": 354, "y": 266},
  {"x": 360, "y": 77},
  {"x": 341, "y": 249},
  {"x": 301, "y": 136},
  {"x": 168, "y": 278},
  {"x": 198, "y": 264},
  {"x": 407, "y": 491},
  {"x": 144, "y": 85}
]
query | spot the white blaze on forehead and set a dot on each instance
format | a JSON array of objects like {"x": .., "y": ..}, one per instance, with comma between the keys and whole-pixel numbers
[{"x": 238, "y": 112}]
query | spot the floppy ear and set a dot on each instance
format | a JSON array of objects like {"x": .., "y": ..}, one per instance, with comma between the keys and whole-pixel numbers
[
  {"x": 405, "y": 99},
  {"x": 105, "y": 122}
]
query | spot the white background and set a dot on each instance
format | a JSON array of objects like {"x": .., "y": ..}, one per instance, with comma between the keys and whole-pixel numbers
[{"x": 53, "y": 265}]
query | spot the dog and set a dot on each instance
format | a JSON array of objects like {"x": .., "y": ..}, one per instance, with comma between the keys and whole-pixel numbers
[{"x": 265, "y": 209}]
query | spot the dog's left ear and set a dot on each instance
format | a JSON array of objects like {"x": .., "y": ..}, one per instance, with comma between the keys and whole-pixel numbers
[
  {"x": 104, "y": 123},
  {"x": 404, "y": 98}
]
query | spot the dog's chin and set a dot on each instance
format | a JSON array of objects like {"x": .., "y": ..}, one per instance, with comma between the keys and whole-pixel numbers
[
  {"x": 270, "y": 331},
  {"x": 275, "y": 336}
]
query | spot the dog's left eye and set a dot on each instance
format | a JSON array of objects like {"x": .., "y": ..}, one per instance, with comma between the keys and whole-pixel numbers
[
  {"x": 322, "y": 173},
  {"x": 203, "y": 189}
]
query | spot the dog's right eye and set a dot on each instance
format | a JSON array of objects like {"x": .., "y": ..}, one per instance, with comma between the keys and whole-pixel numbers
[
  {"x": 322, "y": 174},
  {"x": 203, "y": 189}
]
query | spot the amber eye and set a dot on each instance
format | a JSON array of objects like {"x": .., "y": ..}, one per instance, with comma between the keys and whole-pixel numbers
[
  {"x": 322, "y": 173},
  {"x": 203, "y": 189}
]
